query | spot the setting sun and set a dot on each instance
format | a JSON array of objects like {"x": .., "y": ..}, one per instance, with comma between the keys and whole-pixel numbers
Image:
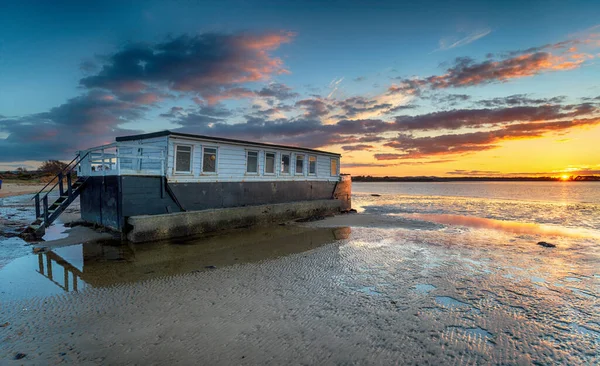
[{"x": 564, "y": 177}]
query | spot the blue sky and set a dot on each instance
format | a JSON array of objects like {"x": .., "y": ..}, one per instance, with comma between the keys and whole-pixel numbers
[{"x": 59, "y": 63}]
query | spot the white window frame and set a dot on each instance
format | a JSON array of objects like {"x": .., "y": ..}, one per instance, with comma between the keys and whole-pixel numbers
[
  {"x": 216, "y": 160},
  {"x": 316, "y": 164},
  {"x": 296, "y": 164},
  {"x": 274, "y": 163},
  {"x": 185, "y": 172},
  {"x": 337, "y": 166},
  {"x": 257, "y": 172},
  {"x": 289, "y": 172}
]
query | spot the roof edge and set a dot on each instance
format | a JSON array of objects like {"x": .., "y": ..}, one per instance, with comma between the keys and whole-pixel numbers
[{"x": 221, "y": 139}]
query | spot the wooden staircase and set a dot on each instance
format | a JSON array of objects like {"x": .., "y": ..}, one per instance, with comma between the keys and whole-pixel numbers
[{"x": 46, "y": 214}]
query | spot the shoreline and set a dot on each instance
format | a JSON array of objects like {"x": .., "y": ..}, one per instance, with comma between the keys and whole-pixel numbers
[{"x": 18, "y": 189}]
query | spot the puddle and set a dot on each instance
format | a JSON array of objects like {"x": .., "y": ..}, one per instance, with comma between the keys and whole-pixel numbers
[
  {"x": 537, "y": 279},
  {"x": 451, "y": 302},
  {"x": 424, "y": 288},
  {"x": 55, "y": 232},
  {"x": 582, "y": 292},
  {"x": 584, "y": 330},
  {"x": 506, "y": 226},
  {"x": 75, "y": 267}
]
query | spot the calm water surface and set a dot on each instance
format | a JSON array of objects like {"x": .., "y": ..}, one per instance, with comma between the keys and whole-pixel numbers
[{"x": 583, "y": 192}]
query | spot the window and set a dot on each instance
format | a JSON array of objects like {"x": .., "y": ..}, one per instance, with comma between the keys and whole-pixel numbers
[
  {"x": 285, "y": 163},
  {"x": 270, "y": 163},
  {"x": 252, "y": 162},
  {"x": 299, "y": 164},
  {"x": 209, "y": 160},
  {"x": 334, "y": 166},
  {"x": 183, "y": 159},
  {"x": 312, "y": 165}
]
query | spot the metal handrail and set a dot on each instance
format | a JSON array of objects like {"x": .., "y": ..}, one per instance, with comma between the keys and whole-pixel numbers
[{"x": 77, "y": 157}]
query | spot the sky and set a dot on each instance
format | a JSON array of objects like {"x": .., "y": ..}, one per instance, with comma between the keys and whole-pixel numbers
[{"x": 404, "y": 88}]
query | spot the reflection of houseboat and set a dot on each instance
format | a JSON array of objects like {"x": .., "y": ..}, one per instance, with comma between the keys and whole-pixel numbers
[
  {"x": 169, "y": 184},
  {"x": 101, "y": 265}
]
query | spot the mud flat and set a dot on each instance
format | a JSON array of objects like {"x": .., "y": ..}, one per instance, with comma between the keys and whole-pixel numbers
[
  {"x": 15, "y": 189},
  {"x": 381, "y": 287},
  {"x": 366, "y": 296}
]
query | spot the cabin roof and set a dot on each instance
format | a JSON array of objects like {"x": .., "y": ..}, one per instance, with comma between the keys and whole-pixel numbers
[{"x": 217, "y": 139}]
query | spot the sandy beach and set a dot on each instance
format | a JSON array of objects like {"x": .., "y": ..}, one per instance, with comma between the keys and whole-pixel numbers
[
  {"x": 15, "y": 189},
  {"x": 352, "y": 289}
]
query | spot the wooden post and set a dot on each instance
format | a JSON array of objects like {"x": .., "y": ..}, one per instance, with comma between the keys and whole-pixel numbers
[
  {"x": 45, "y": 203},
  {"x": 61, "y": 189},
  {"x": 49, "y": 261},
  {"x": 66, "y": 279},
  {"x": 41, "y": 262},
  {"x": 69, "y": 184},
  {"x": 37, "y": 206}
]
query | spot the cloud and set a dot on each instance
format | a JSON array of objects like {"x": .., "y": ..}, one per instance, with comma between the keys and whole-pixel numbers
[
  {"x": 212, "y": 65},
  {"x": 388, "y": 156},
  {"x": 334, "y": 85},
  {"x": 479, "y": 173},
  {"x": 449, "y": 99},
  {"x": 467, "y": 72},
  {"x": 277, "y": 91},
  {"x": 360, "y": 147},
  {"x": 314, "y": 108},
  {"x": 447, "y": 43},
  {"x": 450, "y": 144},
  {"x": 459, "y": 118},
  {"x": 519, "y": 99},
  {"x": 88, "y": 120}
]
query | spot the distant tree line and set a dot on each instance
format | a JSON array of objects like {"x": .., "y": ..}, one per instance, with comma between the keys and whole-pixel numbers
[
  {"x": 369, "y": 178},
  {"x": 47, "y": 168}
]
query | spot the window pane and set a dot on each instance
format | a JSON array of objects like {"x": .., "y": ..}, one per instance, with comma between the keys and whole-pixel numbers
[
  {"x": 183, "y": 159},
  {"x": 285, "y": 164},
  {"x": 209, "y": 160},
  {"x": 299, "y": 164},
  {"x": 333, "y": 166},
  {"x": 252, "y": 162},
  {"x": 270, "y": 163},
  {"x": 312, "y": 165}
]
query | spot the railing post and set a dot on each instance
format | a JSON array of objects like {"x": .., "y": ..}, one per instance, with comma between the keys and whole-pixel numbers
[
  {"x": 69, "y": 188},
  {"x": 45, "y": 203},
  {"x": 103, "y": 170},
  {"x": 61, "y": 189},
  {"x": 118, "y": 162},
  {"x": 162, "y": 163},
  {"x": 37, "y": 206}
]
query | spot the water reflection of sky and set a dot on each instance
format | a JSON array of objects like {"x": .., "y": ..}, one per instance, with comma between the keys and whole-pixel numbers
[{"x": 22, "y": 277}]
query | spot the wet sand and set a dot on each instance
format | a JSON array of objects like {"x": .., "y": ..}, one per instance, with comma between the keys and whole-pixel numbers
[
  {"x": 352, "y": 289},
  {"x": 15, "y": 189}
]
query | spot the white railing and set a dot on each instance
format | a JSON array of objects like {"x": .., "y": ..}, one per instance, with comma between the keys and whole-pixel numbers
[{"x": 122, "y": 159}]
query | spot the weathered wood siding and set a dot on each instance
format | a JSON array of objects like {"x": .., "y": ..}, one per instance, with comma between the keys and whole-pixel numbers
[{"x": 231, "y": 163}]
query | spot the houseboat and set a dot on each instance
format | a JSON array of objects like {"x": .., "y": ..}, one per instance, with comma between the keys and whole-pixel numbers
[{"x": 170, "y": 184}]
